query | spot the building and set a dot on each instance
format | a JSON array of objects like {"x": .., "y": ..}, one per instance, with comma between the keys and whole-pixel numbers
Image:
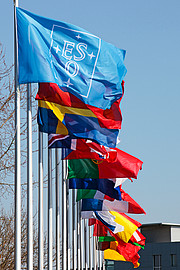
[{"x": 162, "y": 250}]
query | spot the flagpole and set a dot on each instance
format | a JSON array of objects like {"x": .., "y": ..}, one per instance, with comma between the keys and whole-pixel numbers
[
  {"x": 64, "y": 219},
  {"x": 103, "y": 266},
  {"x": 76, "y": 229},
  {"x": 29, "y": 182},
  {"x": 40, "y": 205},
  {"x": 100, "y": 260},
  {"x": 85, "y": 249},
  {"x": 74, "y": 251},
  {"x": 90, "y": 254},
  {"x": 78, "y": 237},
  {"x": 17, "y": 153},
  {"x": 85, "y": 244},
  {"x": 95, "y": 253},
  {"x": 57, "y": 210},
  {"x": 103, "y": 262},
  {"x": 49, "y": 209},
  {"x": 81, "y": 238},
  {"x": 68, "y": 219}
]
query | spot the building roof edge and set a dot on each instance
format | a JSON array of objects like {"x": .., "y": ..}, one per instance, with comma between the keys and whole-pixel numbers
[{"x": 160, "y": 224}]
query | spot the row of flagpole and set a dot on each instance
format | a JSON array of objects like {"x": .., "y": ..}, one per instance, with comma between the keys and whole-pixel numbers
[
  {"x": 73, "y": 251},
  {"x": 80, "y": 258},
  {"x": 77, "y": 249}
]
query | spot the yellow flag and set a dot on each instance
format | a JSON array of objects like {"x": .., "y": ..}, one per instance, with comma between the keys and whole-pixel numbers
[{"x": 129, "y": 227}]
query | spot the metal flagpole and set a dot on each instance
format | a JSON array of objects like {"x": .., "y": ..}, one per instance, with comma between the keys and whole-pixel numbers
[
  {"x": 49, "y": 209},
  {"x": 68, "y": 251},
  {"x": 57, "y": 210},
  {"x": 85, "y": 248},
  {"x": 40, "y": 205},
  {"x": 103, "y": 265},
  {"x": 69, "y": 220},
  {"x": 98, "y": 256},
  {"x": 78, "y": 237},
  {"x": 102, "y": 256},
  {"x": 95, "y": 253},
  {"x": 74, "y": 245},
  {"x": 85, "y": 244},
  {"x": 64, "y": 218},
  {"x": 100, "y": 259},
  {"x": 92, "y": 246},
  {"x": 76, "y": 228},
  {"x": 81, "y": 237},
  {"x": 17, "y": 154},
  {"x": 29, "y": 183},
  {"x": 90, "y": 256}
]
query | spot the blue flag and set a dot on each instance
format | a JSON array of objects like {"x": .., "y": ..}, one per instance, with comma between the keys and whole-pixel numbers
[
  {"x": 48, "y": 123},
  {"x": 106, "y": 186},
  {"x": 79, "y": 62},
  {"x": 105, "y": 205}
]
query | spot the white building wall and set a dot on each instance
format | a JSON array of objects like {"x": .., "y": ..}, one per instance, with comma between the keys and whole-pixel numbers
[{"x": 175, "y": 234}]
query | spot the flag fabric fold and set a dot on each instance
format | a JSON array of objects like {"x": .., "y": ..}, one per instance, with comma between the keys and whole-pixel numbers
[
  {"x": 115, "y": 248},
  {"x": 69, "y": 106},
  {"x": 108, "y": 220},
  {"x": 94, "y": 200},
  {"x": 49, "y": 122},
  {"x": 107, "y": 205},
  {"x": 63, "y": 113},
  {"x": 104, "y": 205},
  {"x": 105, "y": 186},
  {"x": 122, "y": 252},
  {"x": 126, "y": 166},
  {"x": 113, "y": 218},
  {"x": 127, "y": 249},
  {"x": 107, "y": 238},
  {"x": 96, "y": 194},
  {"x": 78, "y": 61},
  {"x": 138, "y": 238},
  {"x": 99, "y": 230},
  {"x": 92, "y": 194},
  {"x": 81, "y": 148},
  {"x": 61, "y": 141}
]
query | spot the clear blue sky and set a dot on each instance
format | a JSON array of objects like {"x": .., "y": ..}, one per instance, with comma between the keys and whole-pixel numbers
[{"x": 150, "y": 33}]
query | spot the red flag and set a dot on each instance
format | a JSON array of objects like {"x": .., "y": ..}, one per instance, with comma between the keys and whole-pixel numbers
[
  {"x": 109, "y": 118},
  {"x": 99, "y": 230},
  {"x": 138, "y": 238},
  {"x": 87, "y": 149},
  {"x": 133, "y": 206},
  {"x": 126, "y": 166},
  {"x": 128, "y": 251}
]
